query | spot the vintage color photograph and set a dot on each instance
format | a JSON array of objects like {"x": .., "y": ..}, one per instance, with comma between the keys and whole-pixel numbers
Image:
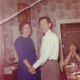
[{"x": 39, "y": 39}]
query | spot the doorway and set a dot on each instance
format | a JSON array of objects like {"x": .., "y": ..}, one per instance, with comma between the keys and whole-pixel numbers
[
  {"x": 70, "y": 34},
  {"x": 67, "y": 29}
]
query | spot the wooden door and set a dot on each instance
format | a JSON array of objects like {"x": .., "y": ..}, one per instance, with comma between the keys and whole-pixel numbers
[{"x": 70, "y": 33}]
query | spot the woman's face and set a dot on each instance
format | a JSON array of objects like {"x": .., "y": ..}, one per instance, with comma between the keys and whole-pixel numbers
[
  {"x": 26, "y": 30},
  {"x": 72, "y": 47}
]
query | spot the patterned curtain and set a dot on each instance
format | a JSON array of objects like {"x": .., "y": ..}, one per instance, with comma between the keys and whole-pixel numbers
[
  {"x": 7, "y": 8},
  {"x": 6, "y": 47}
]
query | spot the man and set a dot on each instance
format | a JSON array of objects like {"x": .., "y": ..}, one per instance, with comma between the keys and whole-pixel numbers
[{"x": 49, "y": 51}]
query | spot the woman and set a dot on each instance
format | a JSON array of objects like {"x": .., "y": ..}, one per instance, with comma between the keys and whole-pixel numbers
[
  {"x": 26, "y": 51},
  {"x": 73, "y": 56}
]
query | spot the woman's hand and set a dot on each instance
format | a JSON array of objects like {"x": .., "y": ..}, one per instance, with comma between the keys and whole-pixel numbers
[
  {"x": 32, "y": 70},
  {"x": 29, "y": 66}
]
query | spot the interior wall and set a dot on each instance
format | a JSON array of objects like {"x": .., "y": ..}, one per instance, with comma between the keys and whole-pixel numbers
[{"x": 56, "y": 9}]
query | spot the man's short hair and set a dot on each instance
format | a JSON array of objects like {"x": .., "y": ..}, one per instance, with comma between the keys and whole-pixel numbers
[{"x": 45, "y": 17}]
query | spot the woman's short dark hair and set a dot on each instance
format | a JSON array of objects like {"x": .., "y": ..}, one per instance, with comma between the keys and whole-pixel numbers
[{"x": 22, "y": 25}]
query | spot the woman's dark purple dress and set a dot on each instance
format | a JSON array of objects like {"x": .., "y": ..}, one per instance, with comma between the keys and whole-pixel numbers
[{"x": 26, "y": 50}]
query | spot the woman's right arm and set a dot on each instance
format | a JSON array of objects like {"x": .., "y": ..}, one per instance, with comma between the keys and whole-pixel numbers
[
  {"x": 29, "y": 66},
  {"x": 66, "y": 61}
]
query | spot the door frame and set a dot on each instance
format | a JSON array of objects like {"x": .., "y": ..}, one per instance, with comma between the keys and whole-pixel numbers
[
  {"x": 58, "y": 30},
  {"x": 1, "y": 53}
]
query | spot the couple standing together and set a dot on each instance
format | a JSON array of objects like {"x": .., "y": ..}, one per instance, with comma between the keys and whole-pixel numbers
[{"x": 28, "y": 64}]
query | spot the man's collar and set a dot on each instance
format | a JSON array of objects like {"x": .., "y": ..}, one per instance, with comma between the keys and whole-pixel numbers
[{"x": 49, "y": 31}]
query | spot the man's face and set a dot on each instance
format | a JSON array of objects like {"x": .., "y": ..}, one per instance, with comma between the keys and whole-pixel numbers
[{"x": 44, "y": 25}]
